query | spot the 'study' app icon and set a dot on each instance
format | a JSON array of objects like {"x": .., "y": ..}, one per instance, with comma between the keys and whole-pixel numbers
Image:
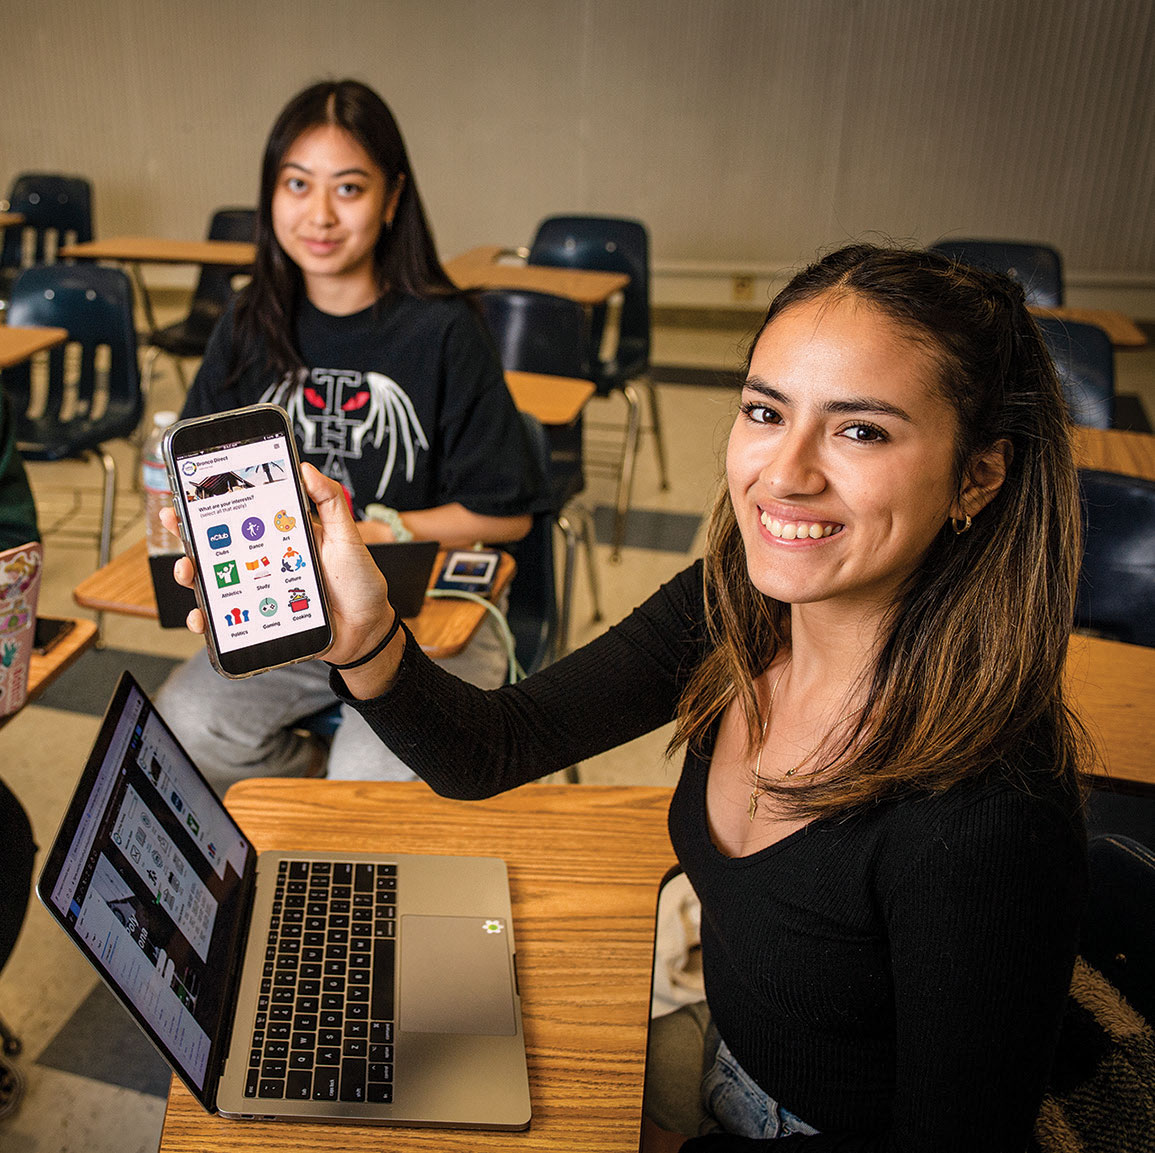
[
  {"x": 227, "y": 574},
  {"x": 219, "y": 536}
]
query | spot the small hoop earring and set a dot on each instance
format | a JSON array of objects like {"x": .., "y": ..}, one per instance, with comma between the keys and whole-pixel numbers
[{"x": 960, "y": 526}]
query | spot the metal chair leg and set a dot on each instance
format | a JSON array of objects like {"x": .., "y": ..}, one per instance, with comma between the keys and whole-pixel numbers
[
  {"x": 565, "y": 604},
  {"x": 626, "y": 475},
  {"x": 588, "y": 538},
  {"x": 656, "y": 424}
]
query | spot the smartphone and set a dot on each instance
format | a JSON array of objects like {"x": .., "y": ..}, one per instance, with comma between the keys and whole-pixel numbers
[
  {"x": 49, "y": 632},
  {"x": 244, "y": 521}
]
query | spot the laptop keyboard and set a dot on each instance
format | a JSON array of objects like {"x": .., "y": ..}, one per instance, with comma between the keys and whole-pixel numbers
[{"x": 324, "y": 1025}]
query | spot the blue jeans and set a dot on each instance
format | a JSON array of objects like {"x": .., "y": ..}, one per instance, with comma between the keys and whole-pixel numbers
[{"x": 735, "y": 1103}]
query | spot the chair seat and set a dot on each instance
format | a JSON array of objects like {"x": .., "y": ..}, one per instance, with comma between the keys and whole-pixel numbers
[{"x": 184, "y": 338}]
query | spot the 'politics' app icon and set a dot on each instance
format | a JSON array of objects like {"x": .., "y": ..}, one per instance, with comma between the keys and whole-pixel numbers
[
  {"x": 227, "y": 574},
  {"x": 219, "y": 536},
  {"x": 253, "y": 528},
  {"x": 235, "y": 617}
]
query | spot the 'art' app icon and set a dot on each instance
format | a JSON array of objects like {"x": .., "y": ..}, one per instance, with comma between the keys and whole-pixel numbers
[
  {"x": 227, "y": 574},
  {"x": 219, "y": 536}
]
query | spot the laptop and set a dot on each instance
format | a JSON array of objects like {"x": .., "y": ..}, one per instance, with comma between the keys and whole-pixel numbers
[
  {"x": 406, "y": 565},
  {"x": 340, "y": 987}
]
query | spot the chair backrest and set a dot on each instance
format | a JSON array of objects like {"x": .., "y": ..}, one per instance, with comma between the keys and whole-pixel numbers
[
  {"x": 1118, "y": 935},
  {"x": 605, "y": 244},
  {"x": 1116, "y": 594},
  {"x": 93, "y": 387},
  {"x": 532, "y": 608},
  {"x": 214, "y": 288},
  {"x": 1037, "y": 267},
  {"x": 536, "y": 332},
  {"x": 1085, "y": 361},
  {"x": 57, "y": 210}
]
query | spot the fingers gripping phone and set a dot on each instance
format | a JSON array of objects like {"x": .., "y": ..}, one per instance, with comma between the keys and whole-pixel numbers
[{"x": 244, "y": 521}]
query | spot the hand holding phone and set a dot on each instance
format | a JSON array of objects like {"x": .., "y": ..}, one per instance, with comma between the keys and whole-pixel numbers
[
  {"x": 359, "y": 605},
  {"x": 244, "y": 522}
]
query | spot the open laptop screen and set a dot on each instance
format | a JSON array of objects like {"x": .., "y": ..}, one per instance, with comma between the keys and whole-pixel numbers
[{"x": 148, "y": 874}]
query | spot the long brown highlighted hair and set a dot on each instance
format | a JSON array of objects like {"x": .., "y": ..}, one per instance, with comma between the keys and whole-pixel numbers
[{"x": 970, "y": 675}]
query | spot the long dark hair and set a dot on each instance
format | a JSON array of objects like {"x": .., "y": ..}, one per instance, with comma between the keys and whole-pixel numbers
[
  {"x": 404, "y": 260},
  {"x": 971, "y": 671}
]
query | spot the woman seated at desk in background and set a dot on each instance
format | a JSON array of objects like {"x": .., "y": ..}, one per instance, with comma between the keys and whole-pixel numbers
[
  {"x": 879, "y": 807},
  {"x": 394, "y": 388}
]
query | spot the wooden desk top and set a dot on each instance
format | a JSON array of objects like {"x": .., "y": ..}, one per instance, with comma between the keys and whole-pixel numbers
[
  {"x": 18, "y": 344},
  {"x": 584, "y": 866},
  {"x": 11, "y": 218},
  {"x": 124, "y": 585},
  {"x": 1116, "y": 450},
  {"x": 1112, "y": 688},
  {"x": 552, "y": 399},
  {"x": 44, "y": 669},
  {"x": 156, "y": 250},
  {"x": 480, "y": 268},
  {"x": 1122, "y": 330}
]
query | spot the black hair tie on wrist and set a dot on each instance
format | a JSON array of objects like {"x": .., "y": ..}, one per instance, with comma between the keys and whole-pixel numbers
[{"x": 376, "y": 650}]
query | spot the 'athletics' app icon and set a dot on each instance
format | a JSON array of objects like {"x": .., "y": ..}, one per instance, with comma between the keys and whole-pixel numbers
[{"x": 227, "y": 574}]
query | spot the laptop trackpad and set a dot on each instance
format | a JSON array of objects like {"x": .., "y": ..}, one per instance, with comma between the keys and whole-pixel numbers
[{"x": 455, "y": 976}]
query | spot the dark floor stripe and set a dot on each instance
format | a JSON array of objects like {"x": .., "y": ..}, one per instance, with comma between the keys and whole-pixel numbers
[
  {"x": 89, "y": 684},
  {"x": 649, "y": 529},
  {"x": 695, "y": 376},
  {"x": 102, "y": 1042}
]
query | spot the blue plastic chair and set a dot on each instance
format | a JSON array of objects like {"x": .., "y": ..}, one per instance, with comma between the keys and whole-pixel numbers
[
  {"x": 212, "y": 295},
  {"x": 612, "y": 244},
  {"x": 1037, "y": 267},
  {"x": 536, "y": 332},
  {"x": 93, "y": 393},
  {"x": 57, "y": 210},
  {"x": 1085, "y": 362},
  {"x": 1116, "y": 595}
]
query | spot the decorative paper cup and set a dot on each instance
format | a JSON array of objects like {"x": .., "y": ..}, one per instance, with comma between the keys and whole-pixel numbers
[{"x": 19, "y": 590}]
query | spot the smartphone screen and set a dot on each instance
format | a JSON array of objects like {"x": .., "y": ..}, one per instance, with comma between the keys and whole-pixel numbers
[{"x": 245, "y": 524}]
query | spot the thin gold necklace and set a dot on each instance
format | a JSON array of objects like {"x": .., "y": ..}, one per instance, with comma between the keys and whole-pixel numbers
[{"x": 758, "y": 788}]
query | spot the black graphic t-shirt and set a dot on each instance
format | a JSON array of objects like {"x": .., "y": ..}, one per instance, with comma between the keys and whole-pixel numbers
[{"x": 404, "y": 403}]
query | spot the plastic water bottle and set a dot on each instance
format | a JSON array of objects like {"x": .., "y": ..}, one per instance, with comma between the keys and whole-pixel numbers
[{"x": 157, "y": 494}]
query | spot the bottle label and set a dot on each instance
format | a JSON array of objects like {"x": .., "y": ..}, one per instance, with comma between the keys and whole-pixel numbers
[{"x": 154, "y": 476}]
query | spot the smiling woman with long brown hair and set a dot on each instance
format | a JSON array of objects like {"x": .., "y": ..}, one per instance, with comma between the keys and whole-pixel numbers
[{"x": 879, "y": 806}]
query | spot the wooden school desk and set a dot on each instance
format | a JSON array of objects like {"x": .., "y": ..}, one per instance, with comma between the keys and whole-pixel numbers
[
  {"x": 1116, "y": 450},
  {"x": 552, "y": 399},
  {"x": 138, "y": 250},
  {"x": 481, "y": 268},
  {"x": 443, "y": 628},
  {"x": 43, "y": 669},
  {"x": 584, "y": 866},
  {"x": 1120, "y": 328},
  {"x": 18, "y": 344}
]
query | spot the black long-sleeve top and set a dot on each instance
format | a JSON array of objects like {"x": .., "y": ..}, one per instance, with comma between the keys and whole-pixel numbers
[{"x": 894, "y": 977}]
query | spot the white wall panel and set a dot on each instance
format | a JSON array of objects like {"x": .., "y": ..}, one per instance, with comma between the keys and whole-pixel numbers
[{"x": 747, "y": 133}]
